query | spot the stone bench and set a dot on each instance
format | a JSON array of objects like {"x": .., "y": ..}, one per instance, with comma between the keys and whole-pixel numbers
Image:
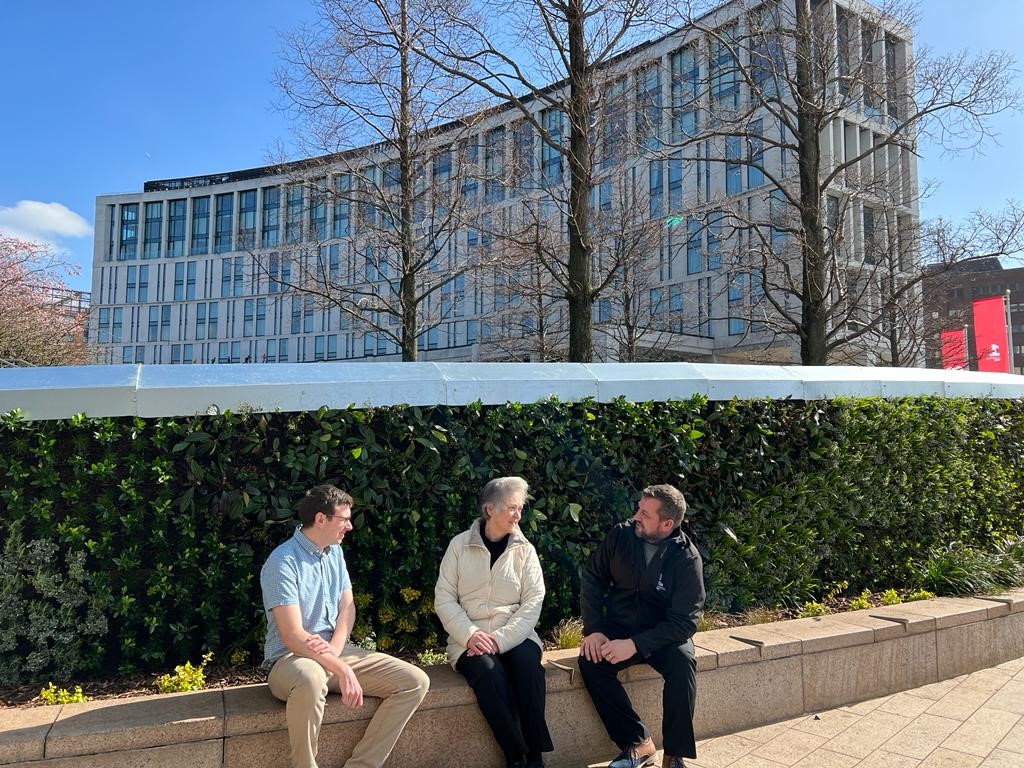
[{"x": 748, "y": 676}]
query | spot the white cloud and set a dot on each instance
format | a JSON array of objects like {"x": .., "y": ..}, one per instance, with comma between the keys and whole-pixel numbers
[{"x": 42, "y": 222}]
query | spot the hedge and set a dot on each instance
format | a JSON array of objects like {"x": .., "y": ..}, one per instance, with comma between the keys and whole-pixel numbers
[{"x": 131, "y": 545}]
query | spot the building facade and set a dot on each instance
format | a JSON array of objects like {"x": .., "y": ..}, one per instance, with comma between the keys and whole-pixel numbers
[
  {"x": 948, "y": 298},
  {"x": 283, "y": 264}
]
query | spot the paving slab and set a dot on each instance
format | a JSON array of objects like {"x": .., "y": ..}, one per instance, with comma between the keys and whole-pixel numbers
[
  {"x": 112, "y": 725},
  {"x": 24, "y": 733},
  {"x": 197, "y": 754},
  {"x": 819, "y": 633}
]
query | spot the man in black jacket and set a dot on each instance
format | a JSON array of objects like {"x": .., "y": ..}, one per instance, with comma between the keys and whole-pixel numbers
[{"x": 642, "y": 595}]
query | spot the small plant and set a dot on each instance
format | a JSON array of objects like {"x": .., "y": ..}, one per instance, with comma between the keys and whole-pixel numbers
[
  {"x": 707, "y": 621},
  {"x": 430, "y": 657},
  {"x": 238, "y": 658},
  {"x": 569, "y": 633},
  {"x": 862, "y": 601},
  {"x": 51, "y": 694},
  {"x": 760, "y": 615},
  {"x": 812, "y": 608},
  {"x": 891, "y": 597},
  {"x": 919, "y": 594},
  {"x": 185, "y": 677}
]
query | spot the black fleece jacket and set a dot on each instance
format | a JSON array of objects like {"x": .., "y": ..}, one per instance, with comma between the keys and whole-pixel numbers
[{"x": 654, "y": 605}]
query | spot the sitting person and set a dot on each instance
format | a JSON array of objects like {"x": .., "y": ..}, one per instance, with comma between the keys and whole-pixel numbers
[{"x": 488, "y": 596}]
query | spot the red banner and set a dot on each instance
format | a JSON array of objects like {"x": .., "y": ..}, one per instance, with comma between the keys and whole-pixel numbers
[
  {"x": 954, "y": 349},
  {"x": 990, "y": 337}
]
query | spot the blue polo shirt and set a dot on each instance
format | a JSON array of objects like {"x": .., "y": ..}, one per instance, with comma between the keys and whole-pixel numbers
[{"x": 298, "y": 573}]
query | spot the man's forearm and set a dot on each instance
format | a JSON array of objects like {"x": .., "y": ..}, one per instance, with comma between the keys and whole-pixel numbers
[{"x": 343, "y": 629}]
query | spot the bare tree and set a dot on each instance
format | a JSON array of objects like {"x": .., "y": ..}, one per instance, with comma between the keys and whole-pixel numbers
[
  {"x": 555, "y": 62},
  {"x": 354, "y": 79},
  {"x": 37, "y": 325},
  {"x": 828, "y": 105}
]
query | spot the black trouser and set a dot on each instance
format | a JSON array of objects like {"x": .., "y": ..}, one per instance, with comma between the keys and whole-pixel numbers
[
  {"x": 509, "y": 688},
  {"x": 677, "y": 665}
]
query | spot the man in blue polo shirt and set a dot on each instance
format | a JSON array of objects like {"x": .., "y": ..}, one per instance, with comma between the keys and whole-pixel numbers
[{"x": 307, "y": 595}]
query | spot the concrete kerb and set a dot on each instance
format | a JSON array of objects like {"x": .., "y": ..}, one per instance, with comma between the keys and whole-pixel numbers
[{"x": 749, "y": 677}]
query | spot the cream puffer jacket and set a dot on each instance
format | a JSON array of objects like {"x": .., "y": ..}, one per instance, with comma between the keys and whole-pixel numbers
[{"x": 503, "y": 601}]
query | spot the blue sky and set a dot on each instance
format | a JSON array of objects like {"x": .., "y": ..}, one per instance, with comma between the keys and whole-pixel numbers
[{"x": 100, "y": 97}]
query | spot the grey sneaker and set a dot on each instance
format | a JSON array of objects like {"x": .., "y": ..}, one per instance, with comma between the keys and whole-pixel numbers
[
  {"x": 671, "y": 761},
  {"x": 635, "y": 756}
]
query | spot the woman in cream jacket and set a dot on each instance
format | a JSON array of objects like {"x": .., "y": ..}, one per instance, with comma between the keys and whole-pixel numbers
[{"x": 488, "y": 596}]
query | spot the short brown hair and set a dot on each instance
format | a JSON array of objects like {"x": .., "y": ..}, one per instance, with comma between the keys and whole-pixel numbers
[
  {"x": 321, "y": 498},
  {"x": 673, "y": 503}
]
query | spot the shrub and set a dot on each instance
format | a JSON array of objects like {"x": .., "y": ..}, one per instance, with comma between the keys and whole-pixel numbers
[
  {"x": 919, "y": 594},
  {"x": 51, "y": 694},
  {"x": 185, "y": 677},
  {"x": 49, "y": 623},
  {"x": 811, "y": 608},
  {"x": 569, "y": 633},
  {"x": 862, "y": 601},
  {"x": 891, "y": 597},
  {"x": 759, "y": 615},
  {"x": 157, "y": 527}
]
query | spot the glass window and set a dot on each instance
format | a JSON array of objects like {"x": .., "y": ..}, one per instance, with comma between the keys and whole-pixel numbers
[
  {"x": 200, "y": 321},
  {"x": 144, "y": 284},
  {"x": 307, "y": 315},
  {"x": 224, "y": 352},
  {"x": 140, "y": 355},
  {"x": 129, "y": 232},
  {"x": 103, "y": 332},
  {"x": 293, "y": 222},
  {"x": 694, "y": 261},
  {"x": 186, "y": 354},
  {"x": 239, "y": 276},
  {"x": 154, "y": 323},
  {"x": 733, "y": 177},
  {"x": 648, "y": 106},
  {"x": 318, "y": 210},
  {"x": 176, "y": 228},
  {"x": 725, "y": 76},
  {"x": 271, "y": 216},
  {"x": 126, "y": 355},
  {"x": 152, "y": 234},
  {"x": 165, "y": 322},
  {"x": 714, "y": 220},
  {"x": 296, "y": 326},
  {"x": 494, "y": 165},
  {"x": 225, "y": 213},
  {"x": 261, "y": 317},
  {"x": 282, "y": 351},
  {"x": 755, "y": 171},
  {"x": 319, "y": 348},
  {"x": 211, "y": 323},
  {"x": 129, "y": 292},
  {"x": 342, "y": 205},
  {"x": 247, "y": 219},
  {"x": 200, "y": 225},
  {"x": 249, "y": 317},
  {"x": 685, "y": 90},
  {"x": 175, "y": 354},
  {"x": 550, "y": 156},
  {"x": 657, "y": 188},
  {"x": 332, "y": 347},
  {"x": 115, "y": 329},
  {"x": 190, "y": 281},
  {"x": 179, "y": 281},
  {"x": 226, "y": 267}
]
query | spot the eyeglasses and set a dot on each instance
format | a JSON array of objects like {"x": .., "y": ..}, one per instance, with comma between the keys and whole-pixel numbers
[{"x": 343, "y": 518}]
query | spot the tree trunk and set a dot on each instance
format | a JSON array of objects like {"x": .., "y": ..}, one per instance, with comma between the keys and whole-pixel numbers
[
  {"x": 407, "y": 286},
  {"x": 579, "y": 293},
  {"x": 814, "y": 298}
]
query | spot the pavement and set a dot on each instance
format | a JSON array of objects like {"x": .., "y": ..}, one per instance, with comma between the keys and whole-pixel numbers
[{"x": 971, "y": 721}]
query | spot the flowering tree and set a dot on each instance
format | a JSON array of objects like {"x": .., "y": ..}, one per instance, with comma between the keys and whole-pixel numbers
[{"x": 40, "y": 322}]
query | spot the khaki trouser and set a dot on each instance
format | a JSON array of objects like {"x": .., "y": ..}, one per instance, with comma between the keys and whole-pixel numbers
[{"x": 304, "y": 684}]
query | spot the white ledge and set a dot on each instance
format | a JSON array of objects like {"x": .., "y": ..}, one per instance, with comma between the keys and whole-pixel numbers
[{"x": 176, "y": 390}]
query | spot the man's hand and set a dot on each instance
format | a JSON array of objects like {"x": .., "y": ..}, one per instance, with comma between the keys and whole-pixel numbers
[
  {"x": 317, "y": 644},
  {"x": 351, "y": 690},
  {"x": 615, "y": 651},
  {"x": 590, "y": 649},
  {"x": 480, "y": 643}
]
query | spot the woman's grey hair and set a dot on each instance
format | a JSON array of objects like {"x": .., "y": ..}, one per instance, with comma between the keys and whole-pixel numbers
[{"x": 499, "y": 489}]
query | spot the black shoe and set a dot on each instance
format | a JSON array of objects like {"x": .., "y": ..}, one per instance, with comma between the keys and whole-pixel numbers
[
  {"x": 535, "y": 762},
  {"x": 520, "y": 763}
]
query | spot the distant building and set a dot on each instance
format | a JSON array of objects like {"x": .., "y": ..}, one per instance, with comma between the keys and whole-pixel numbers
[
  {"x": 948, "y": 298},
  {"x": 193, "y": 270}
]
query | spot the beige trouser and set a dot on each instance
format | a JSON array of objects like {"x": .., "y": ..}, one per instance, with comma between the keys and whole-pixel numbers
[{"x": 304, "y": 684}]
